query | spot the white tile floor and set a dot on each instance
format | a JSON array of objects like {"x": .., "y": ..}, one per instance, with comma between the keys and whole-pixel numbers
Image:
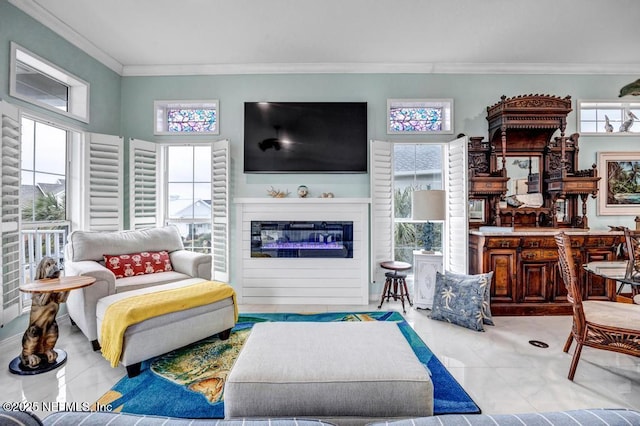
[{"x": 501, "y": 371}]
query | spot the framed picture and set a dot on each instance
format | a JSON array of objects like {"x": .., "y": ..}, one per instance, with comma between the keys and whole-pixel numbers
[
  {"x": 619, "y": 188},
  {"x": 476, "y": 210}
]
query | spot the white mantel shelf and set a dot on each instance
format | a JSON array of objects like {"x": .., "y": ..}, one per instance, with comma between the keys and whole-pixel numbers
[{"x": 298, "y": 200}]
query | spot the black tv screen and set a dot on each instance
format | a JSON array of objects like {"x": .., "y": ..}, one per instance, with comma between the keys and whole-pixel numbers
[{"x": 305, "y": 137}]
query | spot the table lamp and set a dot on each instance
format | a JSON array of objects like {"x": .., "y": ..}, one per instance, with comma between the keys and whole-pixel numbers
[{"x": 429, "y": 204}]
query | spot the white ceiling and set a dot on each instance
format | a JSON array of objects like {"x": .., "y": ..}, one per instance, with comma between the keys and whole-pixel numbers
[{"x": 159, "y": 37}]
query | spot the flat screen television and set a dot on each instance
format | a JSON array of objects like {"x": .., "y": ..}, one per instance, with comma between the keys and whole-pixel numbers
[{"x": 305, "y": 137}]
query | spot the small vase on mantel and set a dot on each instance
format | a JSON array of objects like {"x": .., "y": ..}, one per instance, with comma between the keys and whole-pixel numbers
[{"x": 303, "y": 191}]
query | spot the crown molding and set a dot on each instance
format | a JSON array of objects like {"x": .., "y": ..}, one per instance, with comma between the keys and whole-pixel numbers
[
  {"x": 43, "y": 16},
  {"x": 379, "y": 68}
]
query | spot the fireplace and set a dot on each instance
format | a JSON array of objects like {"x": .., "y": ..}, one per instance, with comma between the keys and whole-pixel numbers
[
  {"x": 302, "y": 251},
  {"x": 292, "y": 239}
]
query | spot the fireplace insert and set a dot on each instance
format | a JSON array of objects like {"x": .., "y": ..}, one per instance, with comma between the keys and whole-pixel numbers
[{"x": 324, "y": 239}]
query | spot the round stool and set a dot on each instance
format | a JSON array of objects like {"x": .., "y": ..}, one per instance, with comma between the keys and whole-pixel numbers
[{"x": 395, "y": 282}]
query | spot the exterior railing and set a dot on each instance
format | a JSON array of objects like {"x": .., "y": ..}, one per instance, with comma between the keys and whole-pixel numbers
[{"x": 40, "y": 240}]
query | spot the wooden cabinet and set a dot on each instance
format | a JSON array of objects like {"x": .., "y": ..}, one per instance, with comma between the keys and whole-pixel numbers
[
  {"x": 425, "y": 266},
  {"x": 526, "y": 278}
]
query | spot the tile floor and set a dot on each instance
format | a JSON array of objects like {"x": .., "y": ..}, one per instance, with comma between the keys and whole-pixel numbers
[{"x": 501, "y": 371}]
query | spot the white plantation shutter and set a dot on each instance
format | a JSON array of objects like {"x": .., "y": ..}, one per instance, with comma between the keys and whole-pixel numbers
[
  {"x": 220, "y": 164},
  {"x": 103, "y": 181},
  {"x": 10, "y": 276},
  {"x": 143, "y": 184},
  {"x": 381, "y": 164},
  {"x": 457, "y": 223}
]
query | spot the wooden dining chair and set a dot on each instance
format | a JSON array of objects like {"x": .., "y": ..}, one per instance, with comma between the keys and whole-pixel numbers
[
  {"x": 632, "y": 243},
  {"x": 599, "y": 324}
]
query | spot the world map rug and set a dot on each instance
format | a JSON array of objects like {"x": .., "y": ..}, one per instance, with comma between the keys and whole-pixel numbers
[{"x": 189, "y": 382}]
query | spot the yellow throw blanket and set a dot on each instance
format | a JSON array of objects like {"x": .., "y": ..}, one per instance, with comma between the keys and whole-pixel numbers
[{"x": 132, "y": 310}]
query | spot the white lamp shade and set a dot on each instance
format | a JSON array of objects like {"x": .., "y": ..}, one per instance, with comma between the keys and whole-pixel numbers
[{"x": 430, "y": 204}]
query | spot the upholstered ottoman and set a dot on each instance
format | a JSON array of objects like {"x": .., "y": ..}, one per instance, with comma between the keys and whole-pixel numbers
[
  {"x": 336, "y": 370},
  {"x": 163, "y": 333}
]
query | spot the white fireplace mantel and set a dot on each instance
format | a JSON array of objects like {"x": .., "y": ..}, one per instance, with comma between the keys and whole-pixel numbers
[{"x": 329, "y": 281}]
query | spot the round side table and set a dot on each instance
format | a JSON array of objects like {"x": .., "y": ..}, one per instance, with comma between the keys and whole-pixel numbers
[
  {"x": 38, "y": 352},
  {"x": 395, "y": 282}
]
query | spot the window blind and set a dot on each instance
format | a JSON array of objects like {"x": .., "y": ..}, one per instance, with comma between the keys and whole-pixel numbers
[
  {"x": 143, "y": 184},
  {"x": 10, "y": 276},
  {"x": 103, "y": 181},
  {"x": 220, "y": 164}
]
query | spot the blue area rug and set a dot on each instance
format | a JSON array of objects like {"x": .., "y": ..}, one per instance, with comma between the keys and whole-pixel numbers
[{"x": 189, "y": 382}]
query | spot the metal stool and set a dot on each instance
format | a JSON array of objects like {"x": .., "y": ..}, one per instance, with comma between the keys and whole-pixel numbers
[{"x": 395, "y": 282}]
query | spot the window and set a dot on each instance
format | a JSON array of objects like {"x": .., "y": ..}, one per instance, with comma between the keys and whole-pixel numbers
[
  {"x": 186, "y": 117},
  {"x": 43, "y": 192},
  {"x": 188, "y": 194},
  {"x": 608, "y": 117},
  {"x": 43, "y": 172},
  {"x": 416, "y": 116},
  {"x": 41, "y": 83},
  {"x": 415, "y": 166}
]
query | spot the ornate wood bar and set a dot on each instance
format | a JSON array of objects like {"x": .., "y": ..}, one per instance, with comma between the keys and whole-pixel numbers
[{"x": 526, "y": 278}]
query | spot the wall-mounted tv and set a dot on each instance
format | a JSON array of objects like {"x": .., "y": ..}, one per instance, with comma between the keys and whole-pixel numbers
[{"x": 305, "y": 137}]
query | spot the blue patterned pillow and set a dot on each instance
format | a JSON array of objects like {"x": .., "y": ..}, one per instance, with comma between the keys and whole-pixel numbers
[
  {"x": 458, "y": 301},
  {"x": 484, "y": 280}
]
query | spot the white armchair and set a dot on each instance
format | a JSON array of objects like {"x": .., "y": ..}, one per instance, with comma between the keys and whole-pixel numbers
[{"x": 84, "y": 255}]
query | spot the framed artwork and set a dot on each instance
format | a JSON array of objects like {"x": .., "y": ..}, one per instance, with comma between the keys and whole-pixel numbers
[
  {"x": 476, "y": 210},
  {"x": 619, "y": 188}
]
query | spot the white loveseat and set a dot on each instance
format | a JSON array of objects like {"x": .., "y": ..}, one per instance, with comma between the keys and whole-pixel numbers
[{"x": 84, "y": 255}]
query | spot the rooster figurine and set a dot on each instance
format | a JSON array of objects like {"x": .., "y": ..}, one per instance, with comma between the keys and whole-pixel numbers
[
  {"x": 607, "y": 126},
  {"x": 626, "y": 125}
]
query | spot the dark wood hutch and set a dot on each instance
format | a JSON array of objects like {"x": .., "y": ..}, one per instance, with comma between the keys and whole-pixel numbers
[{"x": 528, "y": 155}]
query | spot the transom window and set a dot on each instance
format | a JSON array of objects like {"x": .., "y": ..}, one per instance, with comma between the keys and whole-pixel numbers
[
  {"x": 609, "y": 117},
  {"x": 419, "y": 116},
  {"x": 186, "y": 117},
  {"x": 37, "y": 81}
]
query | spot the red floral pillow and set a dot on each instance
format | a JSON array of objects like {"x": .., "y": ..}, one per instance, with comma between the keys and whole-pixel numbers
[{"x": 147, "y": 262}]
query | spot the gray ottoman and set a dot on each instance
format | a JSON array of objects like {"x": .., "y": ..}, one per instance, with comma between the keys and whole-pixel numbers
[
  {"x": 328, "y": 370},
  {"x": 164, "y": 333}
]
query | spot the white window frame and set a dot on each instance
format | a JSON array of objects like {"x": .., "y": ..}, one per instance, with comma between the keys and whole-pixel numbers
[
  {"x": 602, "y": 104},
  {"x": 447, "y": 114},
  {"x": 78, "y": 89},
  {"x": 72, "y": 135},
  {"x": 164, "y": 184},
  {"x": 160, "y": 126},
  {"x": 415, "y": 185}
]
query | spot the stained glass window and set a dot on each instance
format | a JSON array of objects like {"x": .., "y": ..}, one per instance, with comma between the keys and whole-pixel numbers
[
  {"x": 187, "y": 117},
  {"x": 416, "y": 119},
  {"x": 196, "y": 120},
  {"x": 419, "y": 116},
  {"x": 609, "y": 117}
]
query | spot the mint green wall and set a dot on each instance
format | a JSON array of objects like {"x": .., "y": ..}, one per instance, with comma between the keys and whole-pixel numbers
[
  {"x": 471, "y": 94},
  {"x": 105, "y": 84}
]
